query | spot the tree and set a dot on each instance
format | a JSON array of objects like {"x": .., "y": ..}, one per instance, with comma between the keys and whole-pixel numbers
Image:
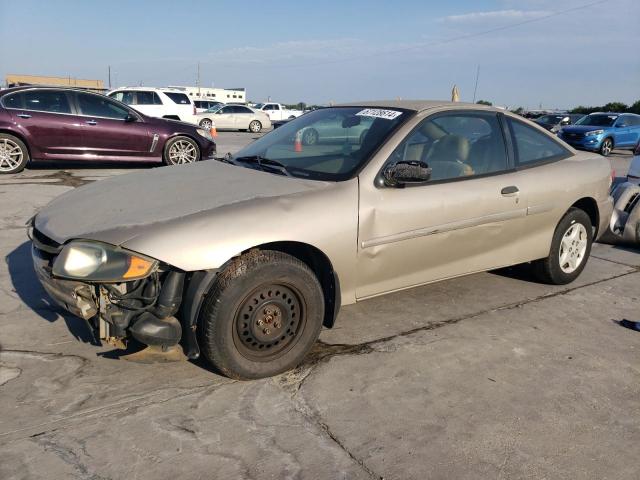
[
  {"x": 484, "y": 102},
  {"x": 615, "y": 107},
  {"x": 301, "y": 106},
  {"x": 635, "y": 108}
]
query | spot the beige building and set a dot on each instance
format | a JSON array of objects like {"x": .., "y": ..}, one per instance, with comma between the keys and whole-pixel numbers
[
  {"x": 225, "y": 95},
  {"x": 12, "y": 80}
]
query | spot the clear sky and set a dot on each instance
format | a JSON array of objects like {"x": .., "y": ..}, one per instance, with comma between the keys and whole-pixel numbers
[{"x": 338, "y": 50}]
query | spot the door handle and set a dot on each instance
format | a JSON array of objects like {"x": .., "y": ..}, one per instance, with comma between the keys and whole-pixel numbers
[
  {"x": 24, "y": 115},
  {"x": 91, "y": 122},
  {"x": 510, "y": 191}
]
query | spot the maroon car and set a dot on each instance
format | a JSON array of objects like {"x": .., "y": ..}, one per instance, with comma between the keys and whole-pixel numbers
[{"x": 44, "y": 123}]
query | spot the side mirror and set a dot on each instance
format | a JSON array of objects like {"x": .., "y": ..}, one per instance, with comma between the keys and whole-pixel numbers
[
  {"x": 130, "y": 118},
  {"x": 403, "y": 173},
  {"x": 565, "y": 121}
]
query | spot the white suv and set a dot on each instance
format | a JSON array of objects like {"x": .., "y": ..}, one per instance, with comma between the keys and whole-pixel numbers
[{"x": 157, "y": 102}]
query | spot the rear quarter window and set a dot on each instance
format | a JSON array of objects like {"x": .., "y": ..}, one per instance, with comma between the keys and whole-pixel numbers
[
  {"x": 14, "y": 100},
  {"x": 179, "y": 98},
  {"x": 533, "y": 147}
]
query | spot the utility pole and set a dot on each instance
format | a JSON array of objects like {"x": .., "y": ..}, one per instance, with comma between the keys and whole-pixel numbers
[
  {"x": 475, "y": 89},
  {"x": 198, "y": 80},
  {"x": 109, "y": 67}
]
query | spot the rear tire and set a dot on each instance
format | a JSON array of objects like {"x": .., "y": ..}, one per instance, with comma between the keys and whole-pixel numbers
[
  {"x": 14, "y": 154},
  {"x": 180, "y": 150},
  {"x": 262, "y": 315},
  {"x": 206, "y": 123},
  {"x": 310, "y": 136},
  {"x": 255, "y": 126},
  {"x": 606, "y": 147},
  {"x": 570, "y": 249}
]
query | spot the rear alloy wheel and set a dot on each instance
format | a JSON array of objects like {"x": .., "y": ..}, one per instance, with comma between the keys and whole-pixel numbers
[
  {"x": 13, "y": 154},
  {"x": 181, "y": 150},
  {"x": 255, "y": 126},
  {"x": 570, "y": 249},
  {"x": 206, "y": 123},
  {"x": 606, "y": 148},
  {"x": 262, "y": 315}
]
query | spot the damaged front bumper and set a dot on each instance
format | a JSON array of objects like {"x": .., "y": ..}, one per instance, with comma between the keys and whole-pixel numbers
[
  {"x": 143, "y": 309},
  {"x": 76, "y": 297}
]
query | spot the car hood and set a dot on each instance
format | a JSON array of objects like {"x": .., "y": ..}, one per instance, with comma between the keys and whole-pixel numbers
[
  {"x": 582, "y": 128},
  {"x": 117, "y": 209}
]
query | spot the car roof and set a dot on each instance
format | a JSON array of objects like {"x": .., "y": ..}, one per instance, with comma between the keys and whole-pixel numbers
[
  {"x": 45, "y": 87},
  {"x": 417, "y": 105},
  {"x": 150, "y": 89}
]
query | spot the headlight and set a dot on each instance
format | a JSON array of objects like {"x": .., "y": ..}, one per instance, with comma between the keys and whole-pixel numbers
[
  {"x": 100, "y": 262},
  {"x": 594, "y": 132},
  {"x": 204, "y": 133}
]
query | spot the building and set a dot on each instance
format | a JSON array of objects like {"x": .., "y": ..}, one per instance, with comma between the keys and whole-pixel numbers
[
  {"x": 12, "y": 80},
  {"x": 226, "y": 95}
]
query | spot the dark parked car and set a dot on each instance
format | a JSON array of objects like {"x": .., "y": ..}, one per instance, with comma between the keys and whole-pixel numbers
[
  {"x": 555, "y": 121},
  {"x": 69, "y": 124}
]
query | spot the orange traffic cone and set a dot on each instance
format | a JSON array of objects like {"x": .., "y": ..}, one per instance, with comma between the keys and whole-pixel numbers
[
  {"x": 297, "y": 144},
  {"x": 214, "y": 132}
]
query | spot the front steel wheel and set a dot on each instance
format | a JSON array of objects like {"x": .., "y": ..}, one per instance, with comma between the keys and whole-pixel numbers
[
  {"x": 261, "y": 316},
  {"x": 606, "y": 148},
  {"x": 181, "y": 150},
  {"x": 13, "y": 154}
]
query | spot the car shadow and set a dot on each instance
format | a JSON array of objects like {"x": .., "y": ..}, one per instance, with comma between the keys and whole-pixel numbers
[
  {"x": 89, "y": 165},
  {"x": 522, "y": 271},
  {"x": 27, "y": 286}
]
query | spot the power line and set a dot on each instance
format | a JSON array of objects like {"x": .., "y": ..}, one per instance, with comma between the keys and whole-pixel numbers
[{"x": 440, "y": 42}]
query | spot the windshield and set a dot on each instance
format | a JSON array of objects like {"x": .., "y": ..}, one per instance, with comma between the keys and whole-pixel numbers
[
  {"x": 597, "y": 120},
  {"x": 328, "y": 144},
  {"x": 215, "y": 109},
  {"x": 258, "y": 106}
]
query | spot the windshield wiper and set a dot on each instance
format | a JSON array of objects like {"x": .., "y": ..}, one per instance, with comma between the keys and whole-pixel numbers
[{"x": 265, "y": 164}]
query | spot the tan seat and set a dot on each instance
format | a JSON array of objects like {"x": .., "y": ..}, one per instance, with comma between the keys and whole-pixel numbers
[{"x": 448, "y": 156}]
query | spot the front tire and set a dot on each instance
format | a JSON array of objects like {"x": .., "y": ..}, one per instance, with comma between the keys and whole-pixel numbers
[
  {"x": 262, "y": 315},
  {"x": 570, "y": 249},
  {"x": 606, "y": 147},
  {"x": 180, "y": 150},
  {"x": 14, "y": 154},
  {"x": 255, "y": 126}
]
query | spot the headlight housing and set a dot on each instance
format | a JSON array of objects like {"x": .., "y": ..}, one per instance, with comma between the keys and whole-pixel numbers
[
  {"x": 101, "y": 262},
  {"x": 594, "y": 132},
  {"x": 205, "y": 133}
]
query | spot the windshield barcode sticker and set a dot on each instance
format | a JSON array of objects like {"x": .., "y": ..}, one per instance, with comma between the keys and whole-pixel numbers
[{"x": 379, "y": 113}]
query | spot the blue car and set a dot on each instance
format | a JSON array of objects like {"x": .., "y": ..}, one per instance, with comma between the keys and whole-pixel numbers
[{"x": 603, "y": 131}]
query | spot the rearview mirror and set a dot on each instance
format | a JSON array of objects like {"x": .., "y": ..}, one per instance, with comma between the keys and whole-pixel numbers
[
  {"x": 130, "y": 118},
  {"x": 403, "y": 173},
  {"x": 351, "y": 121}
]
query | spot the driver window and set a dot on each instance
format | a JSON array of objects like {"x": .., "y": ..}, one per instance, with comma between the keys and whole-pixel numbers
[{"x": 456, "y": 145}]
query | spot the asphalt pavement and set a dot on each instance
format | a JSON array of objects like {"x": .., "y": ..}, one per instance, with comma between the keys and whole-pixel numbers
[{"x": 487, "y": 376}]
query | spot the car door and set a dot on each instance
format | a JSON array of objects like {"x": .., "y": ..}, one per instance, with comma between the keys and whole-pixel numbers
[
  {"x": 243, "y": 117},
  {"x": 112, "y": 131},
  {"x": 225, "y": 118},
  {"x": 467, "y": 218},
  {"x": 622, "y": 133},
  {"x": 544, "y": 176},
  {"x": 48, "y": 121}
]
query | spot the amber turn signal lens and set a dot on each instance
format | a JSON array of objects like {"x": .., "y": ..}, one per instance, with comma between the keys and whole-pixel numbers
[{"x": 138, "y": 267}]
